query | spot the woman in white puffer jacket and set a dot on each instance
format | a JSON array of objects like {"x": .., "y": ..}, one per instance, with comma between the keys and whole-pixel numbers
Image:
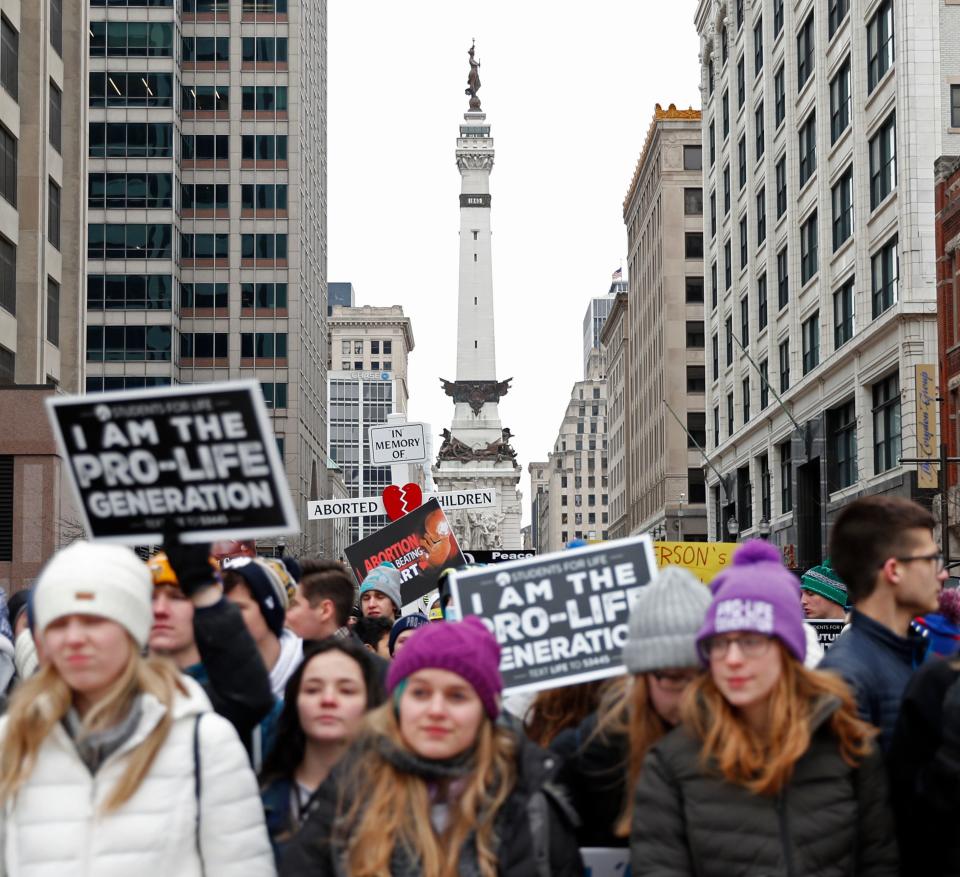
[{"x": 111, "y": 763}]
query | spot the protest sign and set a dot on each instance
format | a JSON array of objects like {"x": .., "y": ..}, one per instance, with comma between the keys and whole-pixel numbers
[
  {"x": 497, "y": 555},
  {"x": 421, "y": 545},
  {"x": 606, "y": 861},
  {"x": 451, "y": 500},
  {"x": 560, "y": 618},
  {"x": 828, "y": 629},
  {"x": 397, "y": 443},
  {"x": 703, "y": 559},
  {"x": 199, "y": 458}
]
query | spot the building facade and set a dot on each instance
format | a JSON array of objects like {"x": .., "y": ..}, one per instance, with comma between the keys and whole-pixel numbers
[
  {"x": 821, "y": 124},
  {"x": 539, "y": 504},
  {"x": 664, "y": 490},
  {"x": 206, "y": 237},
  {"x": 43, "y": 84},
  {"x": 369, "y": 347},
  {"x": 613, "y": 342},
  {"x": 595, "y": 317}
]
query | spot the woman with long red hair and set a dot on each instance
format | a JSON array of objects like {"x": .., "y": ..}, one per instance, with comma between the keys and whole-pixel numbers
[{"x": 771, "y": 771}]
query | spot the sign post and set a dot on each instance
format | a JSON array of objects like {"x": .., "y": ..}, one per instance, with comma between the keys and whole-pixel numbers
[{"x": 201, "y": 458}]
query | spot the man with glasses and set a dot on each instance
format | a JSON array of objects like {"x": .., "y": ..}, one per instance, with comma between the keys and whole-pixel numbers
[{"x": 883, "y": 548}]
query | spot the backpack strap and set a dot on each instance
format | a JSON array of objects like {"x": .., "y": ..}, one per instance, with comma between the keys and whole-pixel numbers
[{"x": 197, "y": 784}]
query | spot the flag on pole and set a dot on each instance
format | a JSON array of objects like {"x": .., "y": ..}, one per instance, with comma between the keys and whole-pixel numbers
[{"x": 618, "y": 274}]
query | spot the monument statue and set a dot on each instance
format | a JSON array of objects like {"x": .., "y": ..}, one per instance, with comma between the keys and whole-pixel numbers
[{"x": 473, "y": 81}]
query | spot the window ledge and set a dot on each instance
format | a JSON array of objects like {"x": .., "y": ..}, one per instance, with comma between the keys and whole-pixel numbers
[
  {"x": 842, "y": 249},
  {"x": 841, "y": 141},
  {"x": 879, "y": 87}
]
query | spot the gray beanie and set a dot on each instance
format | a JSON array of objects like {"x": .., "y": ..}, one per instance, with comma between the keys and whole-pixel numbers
[
  {"x": 664, "y": 622},
  {"x": 385, "y": 579}
]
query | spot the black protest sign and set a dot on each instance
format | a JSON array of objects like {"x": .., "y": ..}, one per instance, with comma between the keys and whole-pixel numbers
[
  {"x": 199, "y": 459},
  {"x": 497, "y": 555},
  {"x": 560, "y": 618},
  {"x": 828, "y": 629},
  {"x": 420, "y": 544}
]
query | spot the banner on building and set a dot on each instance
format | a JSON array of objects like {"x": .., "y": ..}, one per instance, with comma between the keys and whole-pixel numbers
[
  {"x": 927, "y": 477},
  {"x": 421, "y": 545},
  {"x": 201, "y": 458},
  {"x": 703, "y": 559},
  {"x": 828, "y": 629},
  {"x": 560, "y": 618}
]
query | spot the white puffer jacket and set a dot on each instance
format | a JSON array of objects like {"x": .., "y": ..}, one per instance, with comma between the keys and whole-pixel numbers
[{"x": 54, "y": 827}]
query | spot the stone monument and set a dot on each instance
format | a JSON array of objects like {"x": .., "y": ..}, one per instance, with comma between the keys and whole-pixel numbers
[{"x": 476, "y": 450}]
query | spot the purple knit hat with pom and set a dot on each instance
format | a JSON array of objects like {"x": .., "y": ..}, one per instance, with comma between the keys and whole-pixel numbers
[
  {"x": 756, "y": 594},
  {"x": 465, "y": 647}
]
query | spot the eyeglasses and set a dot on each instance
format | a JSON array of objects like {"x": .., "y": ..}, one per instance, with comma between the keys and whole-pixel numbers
[
  {"x": 751, "y": 645},
  {"x": 936, "y": 558},
  {"x": 674, "y": 680}
]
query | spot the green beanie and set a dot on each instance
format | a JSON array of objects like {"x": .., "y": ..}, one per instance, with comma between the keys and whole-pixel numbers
[{"x": 823, "y": 580}]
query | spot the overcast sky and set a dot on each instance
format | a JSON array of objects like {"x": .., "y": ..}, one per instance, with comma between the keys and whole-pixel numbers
[{"x": 569, "y": 90}]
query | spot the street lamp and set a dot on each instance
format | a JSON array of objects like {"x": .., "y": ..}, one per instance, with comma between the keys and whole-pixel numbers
[
  {"x": 763, "y": 528},
  {"x": 733, "y": 527}
]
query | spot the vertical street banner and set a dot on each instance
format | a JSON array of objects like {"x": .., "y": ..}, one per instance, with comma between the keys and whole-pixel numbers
[
  {"x": 560, "y": 618},
  {"x": 927, "y": 426},
  {"x": 200, "y": 458},
  {"x": 703, "y": 559},
  {"x": 421, "y": 545}
]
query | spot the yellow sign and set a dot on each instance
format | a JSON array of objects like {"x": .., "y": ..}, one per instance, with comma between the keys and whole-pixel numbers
[
  {"x": 703, "y": 559},
  {"x": 927, "y": 425}
]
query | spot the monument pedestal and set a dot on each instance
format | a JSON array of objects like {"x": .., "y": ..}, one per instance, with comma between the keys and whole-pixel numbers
[{"x": 485, "y": 528}]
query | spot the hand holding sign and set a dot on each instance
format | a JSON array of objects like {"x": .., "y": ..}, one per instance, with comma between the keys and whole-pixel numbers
[{"x": 397, "y": 501}]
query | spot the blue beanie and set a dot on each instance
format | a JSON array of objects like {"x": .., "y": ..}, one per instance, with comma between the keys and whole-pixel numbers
[
  {"x": 265, "y": 587},
  {"x": 408, "y": 622}
]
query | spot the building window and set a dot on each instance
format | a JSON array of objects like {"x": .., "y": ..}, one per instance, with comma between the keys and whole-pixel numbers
[
  {"x": 713, "y": 286},
  {"x": 56, "y": 103},
  {"x": 886, "y": 424},
  {"x": 745, "y": 320},
  {"x": 743, "y": 242},
  {"x": 130, "y": 241},
  {"x": 810, "y": 333},
  {"x": 843, "y": 208},
  {"x": 263, "y": 345},
  {"x": 783, "y": 279},
  {"x": 739, "y": 14},
  {"x": 713, "y": 140},
  {"x": 131, "y": 140},
  {"x": 713, "y": 215},
  {"x": 135, "y": 190},
  {"x": 883, "y": 161},
  {"x": 725, "y": 113},
  {"x": 696, "y": 486},
  {"x": 203, "y": 345},
  {"x": 761, "y": 302},
  {"x": 837, "y": 13},
  {"x": 728, "y": 338},
  {"x": 807, "y": 142},
  {"x": 879, "y": 44},
  {"x": 842, "y": 447},
  {"x": 264, "y": 98},
  {"x": 263, "y": 246},
  {"x": 205, "y": 196},
  {"x": 758, "y": 126},
  {"x": 56, "y": 26},
  {"x": 205, "y": 98},
  {"x": 761, "y": 215},
  {"x": 692, "y": 158},
  {"x": 262, "y": 50},
  {"x": 727, "y": 266},
  {"x": 745, "y": 395},
  {"x": 695, "y": 334},
  {"x": 781, "y": 175},
  {"x": 693, "y": 202},
  {"x": 6, "y": 473},
  {"x": 716, "y": 425},
  {"x": 758, "y": 47},
  {"x": 885, "y": 277},
  {"x": 128, "y": 343},
  {"x": 808, "y": 249},
  {"x": 133, "y": 292},
  {"x": 693, "y": 245},
  {"x": 129, "y": 39},
  {"x": 53, "y": 311},
  {"x": 777, "y": 17},
  {"x": 764, "y": 384},
  {"x": 955, "y": 106},
  {"x": 206, "y": 50},
  {"x": 8, "y": 166},
  {"x": 764, "y": 487},
  {"x": 9, "y": 58},
  {"x": 8, "y": 276},
  {"x": 131, "y": 89},
  {"x": 786, "y": 479},
  {"x": 840, "y": 102},
  {"x": 716, "y": 356},
  {"x": 711, "y": 74},
  {"x": 843, "y": 314},
  {"x": 275, "y": 395},
  {"x": 694, "y": 290},
  {"x": 724, "y": 46},
  {"x": 726, "y": 190},
  {"x": 53, "y": 213},
  {"x": 729, "y": 414},
  {"x": 264, "y": 147},
  {"x": 805, "y": 38},
  {"x": 784, "y": 351},
  {"x": 696, "y": 379},
  {"x": 205, "y": 295},
  {"x": 742, "y": 160},
  {"x": 263, "y": 196},
  {"x": 741, "y": 83},
  {"x": 204, "y": 246},
  {"x": 779, "y": 97}
]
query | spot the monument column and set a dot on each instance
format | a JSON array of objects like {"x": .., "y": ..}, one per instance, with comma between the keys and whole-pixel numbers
[{"x": 476, "y": 450}]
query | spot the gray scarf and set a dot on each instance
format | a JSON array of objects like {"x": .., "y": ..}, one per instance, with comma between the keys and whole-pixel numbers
[{"x": 95, "y": 747}]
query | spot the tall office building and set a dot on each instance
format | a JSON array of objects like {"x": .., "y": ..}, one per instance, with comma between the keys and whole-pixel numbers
[
  {"x": 42, "y": 136},
  {"x": 821, "y": 125},
  {"x": 367, "y": 380},
  {"x": 613, "y": 342},
  {"x": 663, "y": 479},
  {"x": 206, "y": 243},
  {"x": 594, "y": 318}
]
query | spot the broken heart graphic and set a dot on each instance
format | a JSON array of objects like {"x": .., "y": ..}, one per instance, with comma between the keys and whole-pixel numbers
[{"x": 397, "y": 501}]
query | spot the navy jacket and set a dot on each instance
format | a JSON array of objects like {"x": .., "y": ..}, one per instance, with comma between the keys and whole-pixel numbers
[{"x": 876, "y": 664}]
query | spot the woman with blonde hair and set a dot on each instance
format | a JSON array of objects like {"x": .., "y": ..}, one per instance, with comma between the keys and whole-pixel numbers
[
  {"x": 434, "y": 786},
  {"x": 771, "y": 771},
  {"x": 111, "y": 762}
]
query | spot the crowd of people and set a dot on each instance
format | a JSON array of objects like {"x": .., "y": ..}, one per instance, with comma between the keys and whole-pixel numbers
[{"x": 211, "y": 712}]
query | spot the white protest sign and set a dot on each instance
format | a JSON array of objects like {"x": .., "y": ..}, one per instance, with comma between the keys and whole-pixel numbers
[
  {"x": 452, "y": 500},
  {"x": 560, "y": 618},
  {"x": 397, "y": 443},
  {"x": 606, "y": 861},
  {"x": 201, "y": 458}
]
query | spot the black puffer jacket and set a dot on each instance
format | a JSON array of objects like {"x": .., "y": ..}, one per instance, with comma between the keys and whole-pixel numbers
[
  {"x": 535, "y": 827},
  {"x": 830, "y": 820}
]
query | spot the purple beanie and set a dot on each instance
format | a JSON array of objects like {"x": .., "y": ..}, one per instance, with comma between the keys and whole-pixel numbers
[
  {"x": 465, "y": 647},
  {"x": 757, "y": 594}
]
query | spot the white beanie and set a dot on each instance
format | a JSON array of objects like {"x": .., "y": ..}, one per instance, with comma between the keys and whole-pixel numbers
[{"x": 89, "y": 578}]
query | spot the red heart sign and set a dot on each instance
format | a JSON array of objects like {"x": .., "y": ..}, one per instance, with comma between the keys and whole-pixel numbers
[{"x": 397, "y": 501}]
